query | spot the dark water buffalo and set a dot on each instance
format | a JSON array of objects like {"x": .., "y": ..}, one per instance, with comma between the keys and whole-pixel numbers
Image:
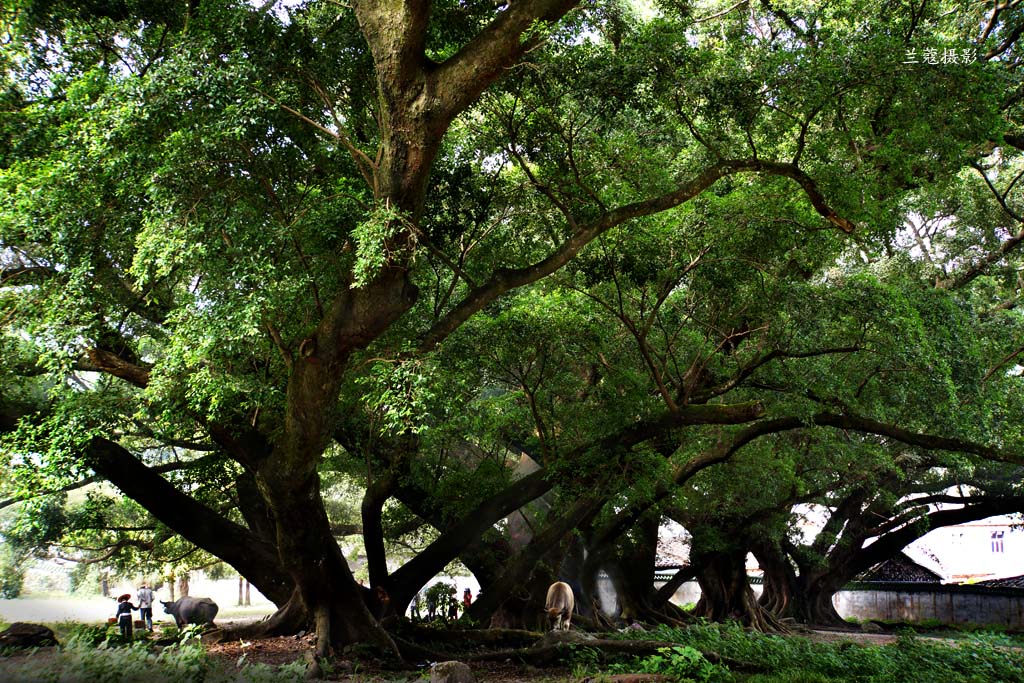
[
  {"x": 192, "y": 611},
  {"x": 559, "y": 605}
]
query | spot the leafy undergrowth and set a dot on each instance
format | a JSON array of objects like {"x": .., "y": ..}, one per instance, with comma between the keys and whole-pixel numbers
[
  {"x": 981, "y": 658},
  {"x": 84, "y": 660},
  {"x": 89, "y": 656}
]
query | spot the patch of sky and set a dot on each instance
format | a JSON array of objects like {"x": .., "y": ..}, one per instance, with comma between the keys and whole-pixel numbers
[{"x": 281, "y": 9}]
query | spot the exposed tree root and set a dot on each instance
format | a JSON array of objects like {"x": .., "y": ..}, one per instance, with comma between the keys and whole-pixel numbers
[
  {"x": 631, "y": 678},
  {"x": 552, "y": 653},
  {"x": 511, "y": 638},
  {"x": 667, "y": 614},
  {"x": 413, "y": 652},
  {"x": 287, "y": 620},
  {"x": 490, "y": 636},
  {"x": 598, "y": 622}
]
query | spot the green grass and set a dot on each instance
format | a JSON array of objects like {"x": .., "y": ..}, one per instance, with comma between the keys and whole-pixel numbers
[
  {"x": 790, "y": 676},
  {"x": 93, "y": 654},
  {"x": 977, "y": 658}
]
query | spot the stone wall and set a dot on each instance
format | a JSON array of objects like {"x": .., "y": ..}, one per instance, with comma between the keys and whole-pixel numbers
[
  {"x": 947, "y": 604},
  {"x": 913, "y": 602}
]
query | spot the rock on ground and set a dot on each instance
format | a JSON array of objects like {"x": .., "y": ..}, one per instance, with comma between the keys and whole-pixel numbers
[
  {"x": 451, "y": 672},
  {"x": 555, "y": 637},
  {"x": 21, "y": 634}
]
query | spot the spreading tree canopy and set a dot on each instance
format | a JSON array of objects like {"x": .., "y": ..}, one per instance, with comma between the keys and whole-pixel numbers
[{"x": 247, "y": 247}]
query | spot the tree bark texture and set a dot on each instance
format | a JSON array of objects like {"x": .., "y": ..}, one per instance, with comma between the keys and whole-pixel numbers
[{"x": 725, "y": 590}]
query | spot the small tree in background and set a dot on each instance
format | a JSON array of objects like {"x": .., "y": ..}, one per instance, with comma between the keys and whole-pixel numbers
[{"x": 12, "y": 572}]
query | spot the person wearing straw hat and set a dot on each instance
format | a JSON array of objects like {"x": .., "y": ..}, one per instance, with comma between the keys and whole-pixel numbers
[{"x": 124, "y": 616}]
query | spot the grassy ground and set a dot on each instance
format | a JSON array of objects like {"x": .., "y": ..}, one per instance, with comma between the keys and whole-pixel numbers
[
  {"x": 92, "y": 653},
  {"x": 982, "y": 657}
]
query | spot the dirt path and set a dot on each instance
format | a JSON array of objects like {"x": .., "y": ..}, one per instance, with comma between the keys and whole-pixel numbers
[{"x": 864, "y": 637}]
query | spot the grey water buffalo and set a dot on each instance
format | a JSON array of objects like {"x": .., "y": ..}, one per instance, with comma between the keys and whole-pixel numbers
[
  {"x": 559, "y": 606},
  {"x": 191, "y": 611}
]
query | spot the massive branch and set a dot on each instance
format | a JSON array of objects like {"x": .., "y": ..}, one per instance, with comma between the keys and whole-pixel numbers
[
  {"x": 396, "y": 32},
  {"x": 253, "y": 557},
  {"x": 458, "y": 536},
  {"x": 926, "y": 441},
  {"x": 723, "y": 452},
  {"x": 113, "y": 364},
  {"x": 507, "y": 279},
  {"x": 82, "y": 483},
  {"x": 501, "y": 44},
  {"x": 888, "y": 545}
]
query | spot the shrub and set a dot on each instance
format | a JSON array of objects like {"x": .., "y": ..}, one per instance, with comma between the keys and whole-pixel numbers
[
  {"x": 90, "y": 635},
  {"x": 442, "y": 593},
  {"x": 584, "y": 660},
  {"x": 682, "y": 663},
  {"x": 12, "y": 575},
  {"x": 976, "y": 659}
]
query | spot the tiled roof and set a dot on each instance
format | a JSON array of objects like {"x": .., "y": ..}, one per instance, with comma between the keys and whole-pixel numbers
[
  {"x": 900, "y": 568},
  {"x": 1009, "y": 582}
]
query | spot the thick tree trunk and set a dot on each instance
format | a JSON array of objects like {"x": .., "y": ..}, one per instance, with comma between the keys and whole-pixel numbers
[
  {"x": 578, "y": 573},
  {"x": 633, "y": 605},
  {"x": 523, "y": 609},
  {"x": 636, "y": 558},
  {"x": 810, "y": 600},
  {"x": 777, "y": 594},
  {"x": 371, "y": 512},
  {"x": 549, "y": 541},
  {"x": 807, "y": 597},
  {"x": 288, "y": 476},
  {"x": 417, "y": 102},
  {"x": 326, "y": 588},
  {"x": 816, "y": 606},
  {"x": 780, "y": 579},
  {"x": 725, "y": 590},
  {"x": 254, "y": 510}
]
